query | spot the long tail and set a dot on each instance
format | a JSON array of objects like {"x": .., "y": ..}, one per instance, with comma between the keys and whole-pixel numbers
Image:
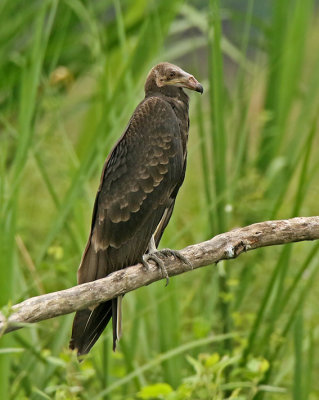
[{"x": 88, "y": 326}]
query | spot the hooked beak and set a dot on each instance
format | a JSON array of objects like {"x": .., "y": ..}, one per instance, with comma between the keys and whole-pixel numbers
[{"x": 189, "y": 82}]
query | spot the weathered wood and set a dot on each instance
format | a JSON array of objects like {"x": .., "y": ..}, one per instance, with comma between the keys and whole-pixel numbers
[{"x": 221, "y": 247}]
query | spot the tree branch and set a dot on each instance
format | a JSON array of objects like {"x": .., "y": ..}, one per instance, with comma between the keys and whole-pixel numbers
[{"x": 221, "y": 247}]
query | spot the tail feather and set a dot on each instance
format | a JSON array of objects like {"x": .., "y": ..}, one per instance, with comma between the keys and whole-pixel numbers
[
  {"x": 88, "y": 326},
  {"x": 117, "y": 320},
  {"x": 114, "y": 322}
]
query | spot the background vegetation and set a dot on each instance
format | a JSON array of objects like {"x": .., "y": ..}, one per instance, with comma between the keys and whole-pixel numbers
[{"x": 71, "y": 74}]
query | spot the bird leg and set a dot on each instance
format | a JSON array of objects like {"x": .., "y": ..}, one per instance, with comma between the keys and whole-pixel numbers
[{"x": 153, "y": 254}]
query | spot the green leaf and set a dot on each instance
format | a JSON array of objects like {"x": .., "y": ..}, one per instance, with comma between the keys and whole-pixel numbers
[{"x": 156, "y": 391}]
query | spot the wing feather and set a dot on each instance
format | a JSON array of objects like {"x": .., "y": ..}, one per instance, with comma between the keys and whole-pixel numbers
[{"x": 138, "y": 178}]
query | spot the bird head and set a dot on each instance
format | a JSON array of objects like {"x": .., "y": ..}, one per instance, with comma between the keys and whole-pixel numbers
[{"x": 170, "y": 75}]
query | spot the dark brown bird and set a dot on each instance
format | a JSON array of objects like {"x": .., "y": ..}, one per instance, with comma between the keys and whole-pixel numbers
[{"x": 135, "y": 200}]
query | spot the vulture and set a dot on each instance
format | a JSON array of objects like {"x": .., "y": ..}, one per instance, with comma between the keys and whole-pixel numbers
[{"x": 136, "y": 196}]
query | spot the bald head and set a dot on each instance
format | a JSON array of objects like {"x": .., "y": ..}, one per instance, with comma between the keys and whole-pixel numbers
[{"x": 165, "y": 76}]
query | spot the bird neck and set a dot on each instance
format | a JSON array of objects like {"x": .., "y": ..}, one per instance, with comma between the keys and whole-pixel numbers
[
  {"x": 179, "y": 102},
  {"x": 167, "y": 91}
]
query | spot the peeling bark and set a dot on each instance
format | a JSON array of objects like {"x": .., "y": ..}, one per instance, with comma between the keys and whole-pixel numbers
[{"x": 221, "y": 247}]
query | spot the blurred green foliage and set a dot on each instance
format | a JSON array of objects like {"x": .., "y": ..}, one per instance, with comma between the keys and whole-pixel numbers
[{"x": 71, "y": 74}]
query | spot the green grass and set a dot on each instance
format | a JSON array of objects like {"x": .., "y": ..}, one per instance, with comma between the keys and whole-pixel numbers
[{"x": 246, "y": 328}]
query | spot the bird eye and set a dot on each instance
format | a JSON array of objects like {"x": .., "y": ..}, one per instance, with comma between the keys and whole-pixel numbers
[{"x": 172, "y": 74}]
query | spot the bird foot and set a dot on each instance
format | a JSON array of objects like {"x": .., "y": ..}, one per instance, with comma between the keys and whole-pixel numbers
[
  {"x": 176, "y": 254},
  {"x": 158, "y": 262},
  {"x": 154, "y": 256}
]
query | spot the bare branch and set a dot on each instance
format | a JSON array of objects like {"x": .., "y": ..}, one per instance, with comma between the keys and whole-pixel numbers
[{"x": 221, "y": 247}]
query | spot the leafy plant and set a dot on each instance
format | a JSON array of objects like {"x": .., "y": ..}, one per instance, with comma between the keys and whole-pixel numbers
[{"x": 71, "y": 73}]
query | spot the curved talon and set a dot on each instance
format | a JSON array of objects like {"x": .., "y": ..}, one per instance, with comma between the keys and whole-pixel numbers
[
  {"x": 158, "y": 262},
  {"x": 145, "y": 263},
  {"x": 176, "y": 254}
]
